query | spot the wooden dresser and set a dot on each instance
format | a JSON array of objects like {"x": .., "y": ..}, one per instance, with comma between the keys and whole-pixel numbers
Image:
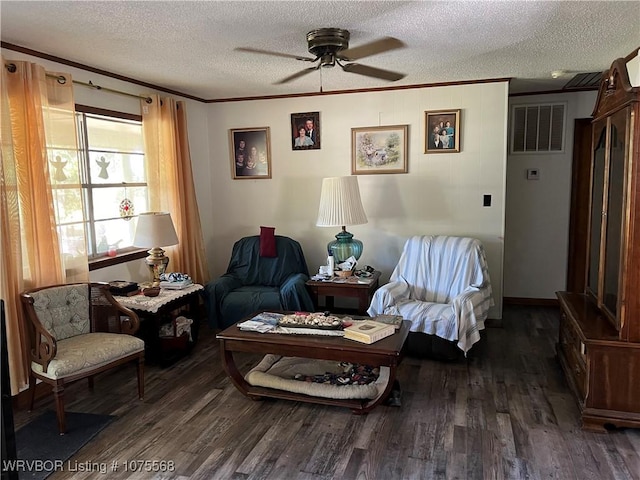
[{"x": 599, "y": 344}]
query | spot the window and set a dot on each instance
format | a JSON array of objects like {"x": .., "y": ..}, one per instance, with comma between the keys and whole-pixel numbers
[
  {"x": 113, "y": 182},
  {"x": 537, "y": 128}
]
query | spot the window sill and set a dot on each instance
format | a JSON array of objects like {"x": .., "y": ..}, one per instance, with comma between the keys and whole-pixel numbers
[{"x": 123, "y": 257}]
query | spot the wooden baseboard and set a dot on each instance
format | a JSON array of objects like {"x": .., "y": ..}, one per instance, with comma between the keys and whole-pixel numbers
[{"x": 538, "y": 302}]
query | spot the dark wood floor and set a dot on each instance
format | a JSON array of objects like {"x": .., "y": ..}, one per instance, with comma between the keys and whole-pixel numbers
[{"x": 505, "y": 412}]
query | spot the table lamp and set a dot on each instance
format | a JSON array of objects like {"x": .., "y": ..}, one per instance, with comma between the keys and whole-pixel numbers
[
  {"x": 340, "y": 205},
  {"x": 155, "y": 228}
]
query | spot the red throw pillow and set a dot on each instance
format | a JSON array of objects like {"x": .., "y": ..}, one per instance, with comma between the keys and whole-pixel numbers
[{"x": 268, "y": 242}]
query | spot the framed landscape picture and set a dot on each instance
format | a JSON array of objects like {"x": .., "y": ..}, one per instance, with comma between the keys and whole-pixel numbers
[
  {"x": 305, "y": 131},
  {"x": 379, "y": 150},
  {"x": 442, "y": 131},
  {"x": 250, "y": 153}
]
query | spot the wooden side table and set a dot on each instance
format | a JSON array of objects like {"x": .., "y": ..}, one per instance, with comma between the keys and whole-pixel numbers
[
  {"x": 362, "y": 290},
  {"x": 154, "y": 311}
]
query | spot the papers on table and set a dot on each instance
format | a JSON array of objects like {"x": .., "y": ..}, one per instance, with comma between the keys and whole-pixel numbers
[
  {"x": 176, "y": 285},
  {"x": 253, "y": 326},
  {"x": 175, "y": 280},
  {"x": 268, "y": 318},
  {"x": 348, "y": 265},
  {"x": 263, "y": 322},
  {"x": 336, "y": 279},
  {"x": 321, "y": 278}
]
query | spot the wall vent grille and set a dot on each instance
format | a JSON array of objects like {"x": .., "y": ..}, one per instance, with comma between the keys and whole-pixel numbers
[
  {"x": 584, "y": 81},
  {"x": 538, "y": 128}
]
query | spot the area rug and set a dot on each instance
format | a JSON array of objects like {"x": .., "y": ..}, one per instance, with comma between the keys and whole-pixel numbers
[{"x": 44, "y": 451}]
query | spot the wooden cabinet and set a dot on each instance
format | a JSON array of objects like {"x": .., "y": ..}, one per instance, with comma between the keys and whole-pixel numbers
[
  {"x": 603, "y": 372},
  {"x": 599, "y": 343}
]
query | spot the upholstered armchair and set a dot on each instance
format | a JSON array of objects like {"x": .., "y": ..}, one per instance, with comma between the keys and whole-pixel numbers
[
  {"x": 441, "y": 284},
  {"x": 259, "y": 282},
  {"x": 77, "y": 331}
]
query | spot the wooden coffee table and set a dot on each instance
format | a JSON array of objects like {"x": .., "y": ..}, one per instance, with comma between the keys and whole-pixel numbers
[{"x": 386, "y": 352}]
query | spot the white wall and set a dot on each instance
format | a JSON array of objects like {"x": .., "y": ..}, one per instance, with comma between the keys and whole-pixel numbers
[
  {"x": 537, "y": 214},
  {"x": 441, "y": 194}
]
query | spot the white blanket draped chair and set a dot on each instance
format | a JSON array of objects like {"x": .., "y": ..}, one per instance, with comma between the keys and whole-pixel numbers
[{"x": 441, "y": 284}]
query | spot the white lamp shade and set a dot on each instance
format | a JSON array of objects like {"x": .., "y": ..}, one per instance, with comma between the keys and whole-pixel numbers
[
  {"x": 340, "y": 203},
  {"x": 155, "y": 229}
]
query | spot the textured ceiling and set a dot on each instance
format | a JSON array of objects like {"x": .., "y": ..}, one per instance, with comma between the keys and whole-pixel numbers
[{"x": 189, "y": 46}]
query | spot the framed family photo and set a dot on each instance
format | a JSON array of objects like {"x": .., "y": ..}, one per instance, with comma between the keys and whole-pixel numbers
[
  {"x": 250, "y": 153},
  {"x": 442, "y": 131},
  {"x": 305, "y": 131},
  {"x": 379, "y": 150}
]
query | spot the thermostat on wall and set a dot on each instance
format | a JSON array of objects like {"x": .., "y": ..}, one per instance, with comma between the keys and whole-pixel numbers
[{"x": 533, "y": 174}]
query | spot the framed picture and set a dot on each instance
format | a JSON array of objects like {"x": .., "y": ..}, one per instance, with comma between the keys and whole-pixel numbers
[
  {"x": 305, "y": 131},
  {"x": 379, "y": 150},
  {"x": 250, "y": 152},
  {"x": 442, "y": 131}
]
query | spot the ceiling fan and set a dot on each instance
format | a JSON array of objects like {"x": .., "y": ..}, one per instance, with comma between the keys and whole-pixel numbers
[{"x": 330, "y": 47}]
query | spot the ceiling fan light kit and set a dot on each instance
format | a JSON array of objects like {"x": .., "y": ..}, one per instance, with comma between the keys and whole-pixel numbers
[{"x": 330, "y": 46}]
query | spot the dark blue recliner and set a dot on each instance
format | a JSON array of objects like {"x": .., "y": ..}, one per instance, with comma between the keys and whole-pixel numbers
[{"x": 253, "y": 282}]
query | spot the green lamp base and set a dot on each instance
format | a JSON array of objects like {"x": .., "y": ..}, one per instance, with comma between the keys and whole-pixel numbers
[{"x": 345, "y": 246}]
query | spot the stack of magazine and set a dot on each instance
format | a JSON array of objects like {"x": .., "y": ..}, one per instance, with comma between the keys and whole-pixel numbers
[
  {"x": 176, "y": 285},
  {"x": 175, "y": 281},
  {"x": 263, "y": 322}
]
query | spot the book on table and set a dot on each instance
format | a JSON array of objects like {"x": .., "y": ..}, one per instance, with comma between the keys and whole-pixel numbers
[
  {"x": 368, "y": 331},
  {"x": 123, "y": 288},
  {"x": 395, "y": 320}
]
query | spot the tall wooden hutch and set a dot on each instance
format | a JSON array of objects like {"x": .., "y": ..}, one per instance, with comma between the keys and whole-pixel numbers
[{"x": 599, "y": 344}]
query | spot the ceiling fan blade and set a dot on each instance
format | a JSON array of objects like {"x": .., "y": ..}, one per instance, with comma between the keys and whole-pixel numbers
[
  {"x": 299, "y": 74},
  {"x": 275, "y": 54},
  {"x": 372, "y": 48},
  {"x": 373, "y": 72}
]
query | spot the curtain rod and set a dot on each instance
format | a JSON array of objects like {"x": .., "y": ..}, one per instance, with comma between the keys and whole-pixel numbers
[{"x": 11, "y": 67}]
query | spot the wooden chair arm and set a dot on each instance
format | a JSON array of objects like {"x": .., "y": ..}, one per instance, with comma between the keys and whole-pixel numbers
[
  {"x": 45, "y": 349},
  {"x": 43, "y": 345},
  {"x": 130, "y": 324}
]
